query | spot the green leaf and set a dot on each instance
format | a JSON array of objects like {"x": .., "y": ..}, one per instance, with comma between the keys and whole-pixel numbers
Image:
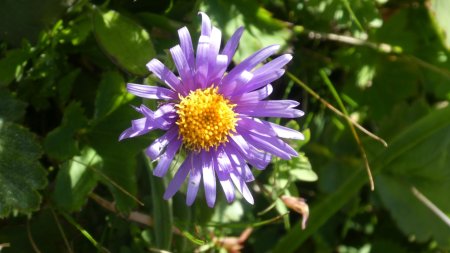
[
  {"x": 60, "y": 142},
  {"x": 75, "y": 180},
  {"x": 440, "y": 9},
  {"x": 21, "y": 174},
  {"x": 65, "y": 86},
  {"x": 111, "y": 94},
  {"x": 425, "y": 168},
  {"x": 11, "y": 66},
  {"x": 300, "y": 168},
  {"x": 162, "y": 210},
  {"x": 124, "y": 41},
  {"x": 11, "y": 109},
  {"x": 119, "y": 158},
  {"x": 261, "y": 29},
  {"x": 405, "y": 142}
]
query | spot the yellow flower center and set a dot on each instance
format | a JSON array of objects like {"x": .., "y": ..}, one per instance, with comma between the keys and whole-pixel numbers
[{"x": 206, "y": 119}]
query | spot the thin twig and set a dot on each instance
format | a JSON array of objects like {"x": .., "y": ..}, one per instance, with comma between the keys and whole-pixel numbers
[
  {"x": 85, "y": 233},
  {"x": 58, "y": 224},
  {"x": 332, "y": 108},
  {"x": 352, "y": 128},
  {"x": 4, "y": 245},
  {"x": 379, "y": 47},
  {"x": 30, "y": 238},
  {"x": 133, "y": 216},
  {"x": 110, "y": 181},
  {"x": 438, "y": 212}
]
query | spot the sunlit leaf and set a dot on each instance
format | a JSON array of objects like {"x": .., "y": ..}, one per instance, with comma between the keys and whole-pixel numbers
[
  {"x": 125, "y": 42},
  {"x": 440, "y": 9},
  {"x": 111, "y": 94},
  {"x": 11, "y": 66},
  {"x": 75, "y": 180},
  {"x": 261, "y": 29}
]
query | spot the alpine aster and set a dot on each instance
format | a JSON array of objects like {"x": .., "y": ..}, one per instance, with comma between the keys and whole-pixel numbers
[{"x": 211, "y": 115}]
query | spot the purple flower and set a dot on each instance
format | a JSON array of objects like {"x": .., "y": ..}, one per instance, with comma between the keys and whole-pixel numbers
[{"x": 211, "y": 115}]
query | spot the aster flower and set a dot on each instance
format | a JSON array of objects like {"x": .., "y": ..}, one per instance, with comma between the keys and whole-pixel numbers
[{"x": 212, "y": 115}]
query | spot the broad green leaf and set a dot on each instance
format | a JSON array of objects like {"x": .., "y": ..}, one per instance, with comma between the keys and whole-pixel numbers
[
  {"x": 261, "y": 29},
  {"x": 111, "y": 94},
  {"x": 21, "y": 174},
  {"x": 300, "y": 168},
  {"x": 125, "y": 42},
  {"x": 11, "y": 66},
  {"x": 60, "y": 143},
  {"x": 425, "y": 168},
  {"x": 162, "y": 210},
  {"x": 119, "y": 158},
  {"x": 440, "y": 9},
  {"x": 11, "y": 108},
  {"x": 65, "y": 86},
  {"x": 75, "y": 180},
  {"x": 405, "y": 142}
]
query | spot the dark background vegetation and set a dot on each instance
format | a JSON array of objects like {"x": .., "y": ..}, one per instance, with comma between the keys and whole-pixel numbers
[{"x": 68, "y": 185}]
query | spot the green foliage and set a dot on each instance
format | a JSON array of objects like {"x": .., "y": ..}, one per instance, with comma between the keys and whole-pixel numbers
[
  {"x": 60, "y": 143},
  {"x": 75, "y": 180},
  {"x": 21, "y": 174},
  {"x": 68, "y": 185},
  {"x": 124, "y": 41}
]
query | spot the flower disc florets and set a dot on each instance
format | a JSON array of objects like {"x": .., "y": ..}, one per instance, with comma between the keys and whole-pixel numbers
[{"x": 206, "y": 119}]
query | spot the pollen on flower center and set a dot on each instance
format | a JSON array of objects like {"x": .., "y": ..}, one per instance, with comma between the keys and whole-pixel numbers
[{"x": 206, "y": 119}]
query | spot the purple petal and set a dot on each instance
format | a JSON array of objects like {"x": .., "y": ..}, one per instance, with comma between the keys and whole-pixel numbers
[
  {"x": 166, "y": 158},
  {"x": 232, "y": 44},
  {"x": 194, "y": 179},
  {"x": 268, "y": 128},
  {"x": 184, "y": 70},
  {"x": 186, "y": 45},
  {"x": 254, "y": 95},
  {"x": 255, "y": 157},
  {"x": 155, "y": 149},
  {"x": 161, "y": 119},
  {"x": 218, "y": 69},
  {"x": 275, "y": 64},
  {"x": 206, "y": 24},
  {"x": 225, "y": 181},
  {"x": 214, "y": 47},
  {"x": 202, "y": 62},
  {"x": 209, "y": 179},
  {"x": 223, "y": 161},
  {"x": 242, "y": 79},
  {"x": 260, "y": 81},
  {"x": 179, "y": 178},
  {"x": 242, "y": 187},
  {"x": 270, "y": 108},
  {"x": 165, "y": 75},
  {"x": 241, "y": 166},
  {"x": 249, "y": 63},
  {"x": 285, "y": 132},
  {"x": 269, "y": 144},
  {"x": 150, "y": 92},
  {"x": 137, "y": 128},
  {"x": 241, "y": 143}
]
